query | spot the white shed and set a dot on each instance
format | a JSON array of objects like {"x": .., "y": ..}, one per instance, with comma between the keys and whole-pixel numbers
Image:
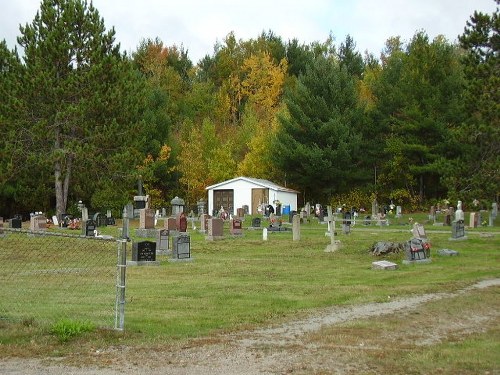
[{"x": 250, "y": 192}]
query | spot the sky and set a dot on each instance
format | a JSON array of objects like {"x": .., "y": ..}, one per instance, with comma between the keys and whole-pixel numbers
[{"x": 198, "y": 25}]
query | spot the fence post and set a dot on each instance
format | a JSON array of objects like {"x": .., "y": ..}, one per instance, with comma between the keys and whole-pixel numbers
[{"x": 121, "y": 268}]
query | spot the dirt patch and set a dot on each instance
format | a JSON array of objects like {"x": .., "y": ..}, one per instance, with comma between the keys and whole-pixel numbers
[{"x": 337, "y": 340}]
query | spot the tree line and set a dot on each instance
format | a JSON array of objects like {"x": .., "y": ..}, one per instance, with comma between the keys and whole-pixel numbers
[{"x": 82, "y": 120}]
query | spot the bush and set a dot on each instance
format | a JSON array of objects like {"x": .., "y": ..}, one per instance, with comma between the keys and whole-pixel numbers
[{"x": 66, "y": 329}]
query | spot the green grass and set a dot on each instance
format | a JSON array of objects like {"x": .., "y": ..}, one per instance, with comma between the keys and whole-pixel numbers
[{"x": 245, "y": 282}]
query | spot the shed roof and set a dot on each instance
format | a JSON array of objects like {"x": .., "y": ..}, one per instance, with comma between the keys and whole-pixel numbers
[{"x": 256, "y": 181}]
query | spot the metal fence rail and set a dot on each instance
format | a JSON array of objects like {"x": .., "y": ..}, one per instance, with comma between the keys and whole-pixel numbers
[{"x": 47, "y": 276}]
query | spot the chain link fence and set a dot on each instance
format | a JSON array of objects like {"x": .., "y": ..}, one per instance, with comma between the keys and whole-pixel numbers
[{"x": 48, "y": 276}]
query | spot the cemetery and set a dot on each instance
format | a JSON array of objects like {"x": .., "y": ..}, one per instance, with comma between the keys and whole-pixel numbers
[{"x": 190, "y": 274}]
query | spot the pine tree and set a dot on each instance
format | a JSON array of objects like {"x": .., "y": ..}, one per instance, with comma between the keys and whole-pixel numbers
[{"x": 82, "y": 99}]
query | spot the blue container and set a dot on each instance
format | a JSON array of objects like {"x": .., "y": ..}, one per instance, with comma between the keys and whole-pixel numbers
[{"x": 286, "y": 210}]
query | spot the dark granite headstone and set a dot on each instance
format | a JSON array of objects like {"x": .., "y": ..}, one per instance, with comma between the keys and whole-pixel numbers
[
  {"x": 99, "y": 219},
  {"x": 88, "y": 228},
  {"x": 256, "y": 221},
  {"x": 110, "y": 220},
  {"x": 15, "y": 223},
  {"x": 144, "y": 251},
  {"x": 457, "y": 229}
]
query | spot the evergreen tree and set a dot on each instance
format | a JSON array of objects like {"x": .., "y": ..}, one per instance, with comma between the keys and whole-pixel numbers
[
  {"x": 82, "y": 102},
  {"x": 317, "y": 143},
  {"x": 476, "y": 174}
]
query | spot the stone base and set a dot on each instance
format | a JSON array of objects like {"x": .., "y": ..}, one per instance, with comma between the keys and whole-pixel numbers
[
  {"x": 142, "y": 263},
  {"x": 447, "y": 252},
  {"x": 428, "y": 260},
  {"x": 458, "y": 238},
  {"x": 146, "y": 233},
  {"x": 384, "y": 265},
  {"x": 214, "y": 238}
]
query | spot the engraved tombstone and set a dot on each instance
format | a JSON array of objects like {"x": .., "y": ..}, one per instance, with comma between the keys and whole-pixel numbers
[
  {"x": 181, "y": 222},
  {"x": 215, "y": 229},
  {"x": 181, "y": 247},
  {"x": 162, "y": 241},
  {"x": 144, "y": 251},
  {"x": 146, "y": 218},
  {"x": 88, "y": 228},
  {"x": 236, "y": 227}
]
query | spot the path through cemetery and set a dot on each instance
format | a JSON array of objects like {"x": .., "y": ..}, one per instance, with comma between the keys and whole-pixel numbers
[{"x": 318, "y": 343}]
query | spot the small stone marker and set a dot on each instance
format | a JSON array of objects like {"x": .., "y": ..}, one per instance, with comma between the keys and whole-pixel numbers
[
  {"x": 143, "y": 253},
  {"x": 264, "y": 234},
  {"x": 55, "y": 221},
  {"x": 447, "y": 252},
  {"x": 346, "y": 224},
  {"x": 384, "y": 265},
  {"x": 181, "y": 247}
]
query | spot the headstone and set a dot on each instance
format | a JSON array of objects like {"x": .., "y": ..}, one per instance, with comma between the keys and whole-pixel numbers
[
  {"x": 296, "y": 228},
  {"x": 16, "y": 222},
  {"x": 278, "y": 209},
  {"x": 447, "y": 217},
  {"x": 473, "y": 220},
  {"x": 177, "y": 206},
  {"x": 38, "y": 223},
  {"x": 417, "y": 250},
  {"x": 236, "y": 227},
  {"x": 384, "y": 265},
  {"x": 204, "y": 223},
  {"x": 55, "y": 221},
  {"x": 110, "y": 220},
  {"x": 171, "y": 225},
  {"x": 162, "y": 241},
  {"x": 143, "y": 253},
  {"x": 264, "y": 234},
  {"x": 215, "y": 229},
  {"x": 240, "y": 212},
  {"x": 346, "y": 224},
  {"x": 256, "y": 222},
  {"x": 99, "y": 219},
  {"x": 181, "y": 222},
  {"x": 88, "y": 228},
  {"x": 146, "y": 218},
  {"x": 108, "y": 213},
  {"x": 458, "y": 230},
  {"x": 447, "y": 252},
  {"x": 399, "y": 211},
  {"x": 432, "y": 213},
  {"x": 418, "y": 231},
  {"x": 494, "y": 210},
  {"x": 246, "y": 209},
  {"x": 181, "y": 247}
]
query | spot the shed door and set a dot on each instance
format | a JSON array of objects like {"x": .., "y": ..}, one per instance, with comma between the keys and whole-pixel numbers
[
  {"x": 224, "y": 198},
  {"x": 259, "y": 196}
]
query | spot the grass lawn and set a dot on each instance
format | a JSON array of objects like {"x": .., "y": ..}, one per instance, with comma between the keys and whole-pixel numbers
[{"x": 245, "y": 282}]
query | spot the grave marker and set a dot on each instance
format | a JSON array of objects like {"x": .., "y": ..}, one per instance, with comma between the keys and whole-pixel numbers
[
  {"x": 162, "y": 241},
  {"x": 236, "y": 227},
  {"x": 458, "y": 230},
  {"x": 88, "y": 228},
  {"x": 181, "y": 222},
  {"x": 143, "y": 253},
  {"x": 146, "y": 218},
  {"x": 181, "y": 247},
  {"x": 38, "y": 223},
  {"x": 418, "y": 231},
  {"x": 417, "y": 250},
  {"x": 215, "y": 229},
  {"x": 256, "y": 221}
]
